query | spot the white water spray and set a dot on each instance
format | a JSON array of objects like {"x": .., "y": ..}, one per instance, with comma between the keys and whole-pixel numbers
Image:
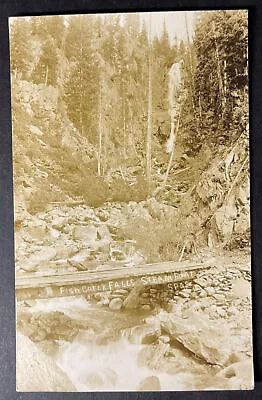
[{"x": 174, "y": 85}]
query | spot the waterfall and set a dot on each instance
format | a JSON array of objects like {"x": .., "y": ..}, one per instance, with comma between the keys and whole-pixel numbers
[{"x": 174, "y": 84}]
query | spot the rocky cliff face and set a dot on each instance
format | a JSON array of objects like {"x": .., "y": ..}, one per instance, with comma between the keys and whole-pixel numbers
[
  {"x": 48, "y": 151},
  {"x": 223, "y": 197}
]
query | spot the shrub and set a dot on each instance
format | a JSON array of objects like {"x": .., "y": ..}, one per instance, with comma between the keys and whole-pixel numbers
[
  {"x": 122, "y": 191},
  {"x": 157, "y": 241}
]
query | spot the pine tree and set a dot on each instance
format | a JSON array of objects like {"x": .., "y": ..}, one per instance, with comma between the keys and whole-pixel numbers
[
  {"x": 82, "y": 87},
  {"x": 21, "y": 55}
]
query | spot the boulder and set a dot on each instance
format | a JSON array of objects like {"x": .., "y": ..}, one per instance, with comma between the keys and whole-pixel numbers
[
  {"x": 207, "y": 341},
  {"x": 133, "y": 299},
  {"x": 37, "y": 229},
  {"x": 240, "y": 375},
  {"x": 164, "y": 338},
  {"x": 105, "y": 379},
  {"x": 154, "y": 208},
  {"x": 150, "y": 384},
  {"x": 117, "y": 255},
  {"x": 242, "y": 223},
  {"x": 58, "y": 223},
  {"x": 104, "y": 234},
  {"x": 47, "y": 326},
  {"x": 144, "y": 334},
  {"x": 240, "y": 289},
  {"x": 54, "y": 233},
  {"x": 86, "y": 233},
  {"x": 65, "y": 249},
  {"x": 152, "y": 355},
  {"x": 225, "y": 217},
  {"x": 39, "y": 258},
  {"x": 81, "y": 256},
  {"x": 116, "y": 304},
  {"x": 244, "y": 194}
]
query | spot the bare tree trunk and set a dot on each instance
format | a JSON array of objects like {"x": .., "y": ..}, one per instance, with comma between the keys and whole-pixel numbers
[
  {"x": 46, "y": 75},
  {"x": 100, "y": 128},
  {"x": 225, "y": 81},
  {"x": 124, "y": 144},
  {"x": 191, "y": 72},
  {"x": 149, "y": 114},
  {"x": 200, "y": 105},
  {"x": 81, "y": 80}
]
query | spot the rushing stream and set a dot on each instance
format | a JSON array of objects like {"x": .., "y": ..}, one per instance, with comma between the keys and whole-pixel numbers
[{"x": 101, "y": 360}]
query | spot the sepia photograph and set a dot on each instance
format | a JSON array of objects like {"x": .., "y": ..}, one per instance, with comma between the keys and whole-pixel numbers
[{"x": 131, "y": 179}]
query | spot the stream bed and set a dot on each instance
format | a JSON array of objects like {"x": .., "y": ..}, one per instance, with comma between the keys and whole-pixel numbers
[{"x": 118, "y": 351}]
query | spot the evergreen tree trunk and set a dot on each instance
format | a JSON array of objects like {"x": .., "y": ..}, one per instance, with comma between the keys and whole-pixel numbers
[
  {"x": 191, "y": 72},
  {"x": 225, "y": 82},
  {"x": 124, "y": 128},
  {"x": 149, "y": 113},
  {"x": 100, "y": 128},
  {"x": 46, "y": 75},
  {"x": 219, "y": 74}
]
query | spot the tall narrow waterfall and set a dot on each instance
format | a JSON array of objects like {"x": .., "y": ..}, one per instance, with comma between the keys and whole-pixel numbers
[{"x": 173, "y": 96}]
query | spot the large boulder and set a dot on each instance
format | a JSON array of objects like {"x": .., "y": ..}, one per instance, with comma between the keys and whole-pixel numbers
[
  {"x": 240, "y": 289},
  {"x": 82, "y": 256},
  {"x": 47, "y": 326},
  {"x": 36, "y": 372},
  {"x": 151, "y": 356},
  {"x": 144, "y": 334},
  {"x": 104, "y": 234},
  {"x": 39, "y": 259},
  {"x": 225, "y": 218},
  {"x": 65, "y": 248},
  {"x": 59, "y": 223},
  {"x": 239, "y": 374},
  {"x": 154, "y": 208},
  {"x": 150, "y": 384},
  {"x": 87, "y": 233},
  {"x": 104, "y": 379},
  {"x": 133, "y": 299},
  {"x": 208, "y": 340},
  {"x": 116, "y": 304},
  {"x": 37, "y": 229}
]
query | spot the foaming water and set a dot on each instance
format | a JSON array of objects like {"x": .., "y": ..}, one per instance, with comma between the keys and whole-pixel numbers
[
  {"x": 74, "y": 307},
  {"x": 111, "y": 367},
  {"x": 108, "y": 355}
]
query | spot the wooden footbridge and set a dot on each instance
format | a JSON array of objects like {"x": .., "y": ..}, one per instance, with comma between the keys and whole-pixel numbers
[{"x": 105, "y": 279}]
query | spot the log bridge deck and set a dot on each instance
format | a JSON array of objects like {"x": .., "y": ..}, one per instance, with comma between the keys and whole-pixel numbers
[{"x": 110, "y": 278}]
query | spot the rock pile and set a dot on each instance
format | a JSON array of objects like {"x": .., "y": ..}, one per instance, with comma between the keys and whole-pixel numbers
[
  {"x": 71, "y": 238},
  {"x": 222, "y": 292},
  {"x": 76, "y": 238}
]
